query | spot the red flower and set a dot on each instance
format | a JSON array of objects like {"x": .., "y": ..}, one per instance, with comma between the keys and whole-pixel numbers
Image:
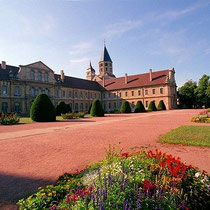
[{"x": 126, "y": 155}]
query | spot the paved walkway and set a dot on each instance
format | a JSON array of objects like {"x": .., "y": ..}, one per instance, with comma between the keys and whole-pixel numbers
[{"x": 33, "y": 155}]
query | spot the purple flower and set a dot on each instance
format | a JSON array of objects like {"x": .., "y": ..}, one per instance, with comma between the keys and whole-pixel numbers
[{"x": 101, "y": 206}]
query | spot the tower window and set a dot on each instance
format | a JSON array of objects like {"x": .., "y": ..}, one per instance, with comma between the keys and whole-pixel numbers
[
  {"x": 132, "y": 93},
  {"x": 126, "y": 94},
  {"x": 139, "y": 92},
  {"x": 153, "y": 91},
  {"x": 161, "y": 90},
  {"x": 106, "y": 68},
  {"x": 146, "y": 92}
]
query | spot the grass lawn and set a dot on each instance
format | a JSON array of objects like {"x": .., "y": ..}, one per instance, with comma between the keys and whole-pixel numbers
[{"x": 188, "y": 135}]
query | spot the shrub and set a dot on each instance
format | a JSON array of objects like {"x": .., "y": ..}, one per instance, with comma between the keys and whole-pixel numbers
[
  {"x": 69, "y": 110},
  {"x": 139, "y": 107},
  {"x": 80, "y": 115},
  {"x": 62, "y": 108},
  {"x": 96, "y": 109},
  {"x": 89, "y": 108},
  {"x": 42, "y": 109},
  {"x": 68, "y": 116},
  {"x": 9, "y": 119},
  {"x": 161, "y": 105},
  {"x": 152, "y": 106},
  {"x": 114, "y": 111},
  {"x": 125, "y": 108}
]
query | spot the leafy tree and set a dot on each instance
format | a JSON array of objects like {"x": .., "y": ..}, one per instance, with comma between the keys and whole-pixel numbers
[
  {"x": 139, "y": 107},
  {"x": 96, "y": 109},
  {"x": 187, "y": 96},
  {"x": 125, "y": 108},
  {"x": 203, "y": 91},
  {"x": 152, "y": 106},
  {"x": 42, "y": 109},
  {"x": 161, "y": 105}
]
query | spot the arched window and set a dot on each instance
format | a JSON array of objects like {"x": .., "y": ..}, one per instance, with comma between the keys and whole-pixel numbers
[
  {"x": 46, "y": 77},
  {"x": 86, "y": 106},
  {"x": 17, "y": 91},
  {"x": 32, "y": 91},
  {"x": 39, "y": 90},
  {"x": 32, "y": 75},
  {"x": 76, "y": 107},
  {"x": 17, "y": 107},
  {"x": 81, "y": 107},
  {"x": 47, "y": 91},
  {"x": 4, "y": 107},
  {"x": 39, "y": 75}
]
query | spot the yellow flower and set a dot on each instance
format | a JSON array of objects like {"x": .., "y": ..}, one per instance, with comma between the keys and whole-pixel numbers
[
  {"x": 43, "y": 195},
  {"x": 49, "y": 194},
  {"x": 42, "y": 190},
  {"x": 67, "y": 186},
  {"x": 39, "y": 188},
  {"x": 54, "y": 192}
]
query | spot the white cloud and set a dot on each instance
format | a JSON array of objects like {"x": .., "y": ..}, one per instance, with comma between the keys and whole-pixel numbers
[
  {"x": 79, "y": 60},
  {"x": 81, "y": 48}
]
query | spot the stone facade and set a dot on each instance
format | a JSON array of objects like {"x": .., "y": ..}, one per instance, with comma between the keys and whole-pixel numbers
[{"x": 20, "y": 85}]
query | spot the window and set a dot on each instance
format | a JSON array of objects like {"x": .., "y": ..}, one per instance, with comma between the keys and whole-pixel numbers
[
  {"x": 17, "y": 107},
  {"x": 126, "y": 94},
  {"x": 76, "y": 107},
  {"x": 69, "y": 94},
  {"x": 86, "y": 107},
  {"x": 17, "y": 91},
  {"x": 47, "y": 91},
  {"x": 39, "y": 76},
  {"x": 153, "y": 91},
  {"x": 109, "y": 95},
  {"x": 64, "y": 94},
  {"x": 133, "y": 105},
  {"x": 32, "y": 75},
  {"x": 132, "y": 93},
  {"x": 120, "y": 94},
  {"x": 46, "y": 77},
  {"x": 139, "y": 92},
  {"x": 4, "y": 90},
  {"x": 146, "y": 103},
  {"x": 106, "y": 64},
  {"x": 115, "y": 105},
  {"x": 4, "y": 107},
  {"x": 86, "y": 94},
  {"x": 110, "y": 106},
  {"x": 56, "y": 93},
  {"x": 81, "y": 107},
  {"x": 146, "y": 92},
  {"x": 32, "y": 91},
  {"x": 39, "y": 90},
  {"x": 75, "y": 94},
  {"x": 104, "y": 95},
  {"x": 120, "y": 104},
  {"x": 161, "y": 90},
  {"x": 81, "y": 95}
]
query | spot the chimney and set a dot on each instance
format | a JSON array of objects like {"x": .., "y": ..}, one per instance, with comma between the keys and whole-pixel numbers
[
  {"x": 103, "y": 82},
  {"x": 126, "y": 78},
  {"x": 62, "y": 76},
  {"x": 170, "y": 74},
  {"x": 3, "y": 64},
  {"x": 150, "y": 75}
]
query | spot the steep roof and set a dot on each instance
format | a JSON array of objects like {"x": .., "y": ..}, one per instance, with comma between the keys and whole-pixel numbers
[
  {"x": 74, "y": 82},
  {"x": 4, "y": 73},
  {"x": 138, "y": 80},
  {"x": 105, "y": 55}
]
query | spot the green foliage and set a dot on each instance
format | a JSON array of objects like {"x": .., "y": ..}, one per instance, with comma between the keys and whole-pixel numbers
[
  {"x": 73, "y": 115},
  {"x": 139, "y": 107},
  {"x": 68, "y": 108},
  {"x": 9, "y": 119},
  {"x": 161, "y": 105},
  {"x": 96, "y": 109},
  {"x": 125, "y": 108},
  {"x": 80, "y": 115},
  {"x": 89, "y": 108},
  {"x": 42, "y": 109},
  {"x": 152, "y": 106},
  {"x": 62, "y": 108}
]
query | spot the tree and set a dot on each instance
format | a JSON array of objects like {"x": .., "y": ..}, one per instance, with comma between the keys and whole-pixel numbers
[
  {"x": 96, "y": 109},
  {"x": 161, "y": 105},
  {"x": 152, "y": 106},
  {"x": 89, "y": 108},
  {"x": 125, "y": 108},
  {"x": 187, "y": 96},
  {"x": 203, "y": 91},
  {"x": 69, "y": 110},
  {"x": 61, "y": 108},
  {"x": 42, "y": 109},
  {"x": 139, "y": 107}
]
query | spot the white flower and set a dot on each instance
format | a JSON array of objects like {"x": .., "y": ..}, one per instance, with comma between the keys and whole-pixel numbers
[{"x": 197, "y": 174}]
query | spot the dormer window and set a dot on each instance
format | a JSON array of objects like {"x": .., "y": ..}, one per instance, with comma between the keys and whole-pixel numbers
[
  {"x": 46, "y": 77},
  {"x": 39, "y": 76},
  {"x": 32, "y": 75}
]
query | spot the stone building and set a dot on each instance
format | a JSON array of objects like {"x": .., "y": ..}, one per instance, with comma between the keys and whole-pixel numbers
[{"x": 20, "y": 85}]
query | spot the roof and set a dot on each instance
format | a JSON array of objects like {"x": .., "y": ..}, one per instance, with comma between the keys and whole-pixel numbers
[
  {"x": 138, "y": 80},
  {"x": 74, "y": 82},
  {"x": 105, "y": 55},
  {"x": 4, "y": 73}
]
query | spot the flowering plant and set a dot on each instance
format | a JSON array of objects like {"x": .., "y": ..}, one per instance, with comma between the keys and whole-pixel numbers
[{"x": 9, "y": 119}]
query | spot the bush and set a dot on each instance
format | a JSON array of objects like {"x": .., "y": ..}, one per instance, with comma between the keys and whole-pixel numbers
[
  {"x": 96, "y": 109},
  {"x": 114, "y": 111},
  {"x": 139, "y": 107},
  {"x": 62, "y": 108},
  {"x": 42, "y": 109},
  {"x": 68, "y": 107},
  {"x": 9, "y": 119},
  {"x": 68, "y": 116},
  {"x": 89, "y": 108},
  {"x": 125, "y": 108},
  {"x": 80, "y": 115},
  {"x": 161, "y": 105},
  {"x": 152, "y": 106},
  {"x": 203, "y": 117}
]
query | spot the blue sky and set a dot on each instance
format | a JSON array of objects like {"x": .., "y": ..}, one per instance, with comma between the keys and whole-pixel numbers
[{"x": 139, "y": 35}]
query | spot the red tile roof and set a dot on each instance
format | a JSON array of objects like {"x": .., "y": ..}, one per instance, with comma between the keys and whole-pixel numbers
[{"x": 138, "y": 80}]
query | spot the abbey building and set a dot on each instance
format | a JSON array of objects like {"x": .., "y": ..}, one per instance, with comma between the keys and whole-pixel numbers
[{"x": 19, "y": 85}]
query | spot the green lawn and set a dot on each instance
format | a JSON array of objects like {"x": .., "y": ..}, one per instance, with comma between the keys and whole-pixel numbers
[
  {"x": 28, "y": 119},
  {"x": 188, "y": 135}
]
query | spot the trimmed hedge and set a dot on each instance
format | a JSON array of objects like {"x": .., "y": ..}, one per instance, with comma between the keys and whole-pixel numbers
[
  {"x": 152, "y": 106},
  {"x": 161, "y": 105},
  {"x": 139, "y": 107},
  {"x": 125, "y": 108},
  {"x": 96, "y": 109},
  {"x": 62, "y": 108},
  {"x": 42, "y": 109}
]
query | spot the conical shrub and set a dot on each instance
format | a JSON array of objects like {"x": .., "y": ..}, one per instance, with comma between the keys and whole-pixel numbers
[
  {"x": 139, "y": 107},
  {"x": 42, "y": 109},
  {"x": 96, "y": 109},
  {"x": 125, "y": 108},
  {"x": 152, "y": 106},
  {"x": 89, "y": 108},
  {"x": 61, "y": 108},
  {"x": 161, "y": 105}
]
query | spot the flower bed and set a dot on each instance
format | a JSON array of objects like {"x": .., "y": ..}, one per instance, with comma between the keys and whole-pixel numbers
[
  {"x": 203, "y": 117},
  {"x": 141, "y": 180},
  {"x": 73, "y": 115},
  {"x": 9, "y": 119}
]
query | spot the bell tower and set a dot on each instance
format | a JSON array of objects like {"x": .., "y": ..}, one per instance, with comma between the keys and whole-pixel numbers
[
  {"x": 105, "y": 64},
  {"x": 90, "y": 73}
]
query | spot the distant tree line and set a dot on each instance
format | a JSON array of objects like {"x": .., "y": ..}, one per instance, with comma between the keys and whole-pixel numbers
[{"x": 193, "y": 95}]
